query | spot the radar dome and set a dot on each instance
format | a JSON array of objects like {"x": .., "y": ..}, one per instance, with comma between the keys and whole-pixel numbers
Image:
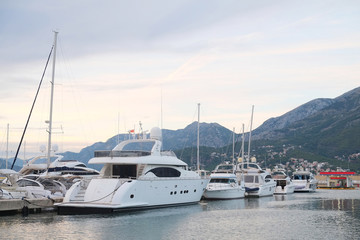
[{"x": 155, "y": 133}]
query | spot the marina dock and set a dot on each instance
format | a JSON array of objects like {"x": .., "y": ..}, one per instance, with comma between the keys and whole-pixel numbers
[{"x": 27, "y": 205}]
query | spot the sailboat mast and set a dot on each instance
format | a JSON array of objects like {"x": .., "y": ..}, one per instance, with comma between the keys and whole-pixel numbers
[
  {"x": 242, "y": 146},
  {"x": 198, "y": 140},
  {"x": 7, "y": 146},
  {"x": 252, "y": 114},
  {"x": 51, "y": 101},
  {"x": 233, "y": 147}
]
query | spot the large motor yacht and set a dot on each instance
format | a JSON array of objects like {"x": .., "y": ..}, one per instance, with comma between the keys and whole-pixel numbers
[
  {"x": 304, "y": 181},
  {"x": 224, "y": 183},
  {"x": 135, "y": 174}
]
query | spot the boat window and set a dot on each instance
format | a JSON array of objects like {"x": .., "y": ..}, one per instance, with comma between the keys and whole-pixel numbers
[
  {"x": 80, "y": 165},
  {"x": 297, "y": 177},
  {"x": 124, "y": 171},
  {"x": 26, "y": 183},
  {"x": 256, "y": 179},
  {"x": 250, "y": 165},
  {"x": 138, "y": 146},
  {"x": 232, "y": 181},
  {"x": 219, "y": 180},
  {"x": 249, "y": 179},
  {"x": 225, "y": 168},
  {"x": 165, "y": 172}
]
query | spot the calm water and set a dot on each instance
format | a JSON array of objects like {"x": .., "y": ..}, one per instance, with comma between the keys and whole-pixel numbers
[{"x": 326, "y": 214}]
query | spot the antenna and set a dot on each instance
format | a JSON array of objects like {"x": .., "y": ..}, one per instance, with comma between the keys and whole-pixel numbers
[
  {"x": 198, "y": 140},
  {"x": 252, "y": 113}
]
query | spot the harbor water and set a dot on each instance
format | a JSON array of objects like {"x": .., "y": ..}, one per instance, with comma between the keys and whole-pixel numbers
[{"x": 325, "y": 214}]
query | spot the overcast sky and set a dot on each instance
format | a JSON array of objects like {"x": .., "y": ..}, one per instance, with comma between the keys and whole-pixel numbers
[{"x": 121, "y": 62}]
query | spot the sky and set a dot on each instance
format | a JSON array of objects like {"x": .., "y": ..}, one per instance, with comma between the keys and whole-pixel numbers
[{"x": 120, "y": 62}]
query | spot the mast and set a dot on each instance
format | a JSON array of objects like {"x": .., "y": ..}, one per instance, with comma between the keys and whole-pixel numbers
[
  {"x": 242, "y": 146},
  {"x": 198, "y": 140},
  {"x": 51, "y": 101},
  {"x": 252, "y": 113},
  {"x": 7, "y": 146},
  {"x": 32, "y": 107},
  {"x": 233, "y": 147}
]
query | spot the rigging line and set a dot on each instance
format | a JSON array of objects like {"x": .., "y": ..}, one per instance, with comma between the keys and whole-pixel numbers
[{"x": 32, "y": 107}]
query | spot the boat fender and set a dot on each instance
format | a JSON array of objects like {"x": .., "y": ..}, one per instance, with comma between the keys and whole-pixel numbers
[{"x": 25, "y": 211}]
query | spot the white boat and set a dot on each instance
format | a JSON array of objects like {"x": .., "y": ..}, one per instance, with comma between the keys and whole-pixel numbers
[
  {"x": 65, "y": 171},
  {"x": 5, "y": 194},
  {"x": 136, "y": 174},
  {"x": 224, "y": 184},
  {"x": 284, "y": 184},
  {"x": 57, "y": 167},
  {"x": 18, "y": 187},
  {"x": 258, "y": 182},
  {"x": 304, "y": 181}
]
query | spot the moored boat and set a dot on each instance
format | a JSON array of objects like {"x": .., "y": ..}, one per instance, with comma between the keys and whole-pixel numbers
[
  {"x": 284, "y": 184},
  {"x": 304, "y": 181},
  {"x": 224, "y": 184},
  {"x": 136, "y": 174},
  {"x": 258, "y": 182}
]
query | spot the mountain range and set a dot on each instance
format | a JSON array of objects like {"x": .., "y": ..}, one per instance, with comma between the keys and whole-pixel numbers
[{"x": 322, "y": 129}]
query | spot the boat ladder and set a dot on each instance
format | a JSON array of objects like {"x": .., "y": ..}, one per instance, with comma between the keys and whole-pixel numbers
[{"x": 79, "y": 197}]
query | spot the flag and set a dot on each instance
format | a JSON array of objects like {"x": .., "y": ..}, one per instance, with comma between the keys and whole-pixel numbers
[{"x": 132, "y": 131}]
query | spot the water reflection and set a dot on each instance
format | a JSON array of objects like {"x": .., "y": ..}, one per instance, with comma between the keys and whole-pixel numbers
[
  {"x": 320, "y": 215},
  {"x": 339, "y": 204},
  {"x": 284, "y": 197}
]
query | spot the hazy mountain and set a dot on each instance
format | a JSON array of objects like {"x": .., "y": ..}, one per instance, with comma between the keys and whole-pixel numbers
[
  {"x": 321, "y": 127},
  {"x": 211, "y": 135},
  {"x": 267, "y": 129},
  {"x": 333, "y": 130}
]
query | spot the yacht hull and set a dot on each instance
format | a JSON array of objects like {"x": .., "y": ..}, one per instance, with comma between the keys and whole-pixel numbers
[
  {"x": 107, "y": 195},
  {"x": 230, "y": 193},
  {"x": 261, "y": 191},
  {"x": 303, "y": 186}
]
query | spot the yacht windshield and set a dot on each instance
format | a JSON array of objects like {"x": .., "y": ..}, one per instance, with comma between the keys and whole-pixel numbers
[
  {"x": 251, "y": 179},
  {"x": 219, "y": 180},
  {"x": 301, "y": 177},
  {"x": 139, "y": 146},
  {"x": 225, "y": 168}
]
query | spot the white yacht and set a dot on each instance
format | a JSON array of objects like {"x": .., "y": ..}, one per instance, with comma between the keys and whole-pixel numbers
[
  {"x": 224, "y": 184},
  {"x": 284, "y": 184},
  {"x": 136, "y": 174},
  {"x": 17, "y": 187},
  {"x": 304, "y": 181},
  {"x": 65, "y": 171},
  {"x": 57, "y": 167},
  {"x": 258, "y": 182}
]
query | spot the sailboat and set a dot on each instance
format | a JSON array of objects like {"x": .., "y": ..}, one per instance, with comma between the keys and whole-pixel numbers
[
  {"x": 258, "y": 182},
  {"x": 51, "y": 165}
]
